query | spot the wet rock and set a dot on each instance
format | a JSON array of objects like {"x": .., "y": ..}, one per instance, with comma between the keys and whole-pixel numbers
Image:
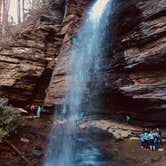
[
  {"x": 125, "y": 134},
  {"x": 117, "y": 135},
  {"x": 120, "y": 134},
  {"x": 160, "y": 149},
  {"x": 37, "y": 152},
  {"x": 25, "y": 140},
  {"x": 134, "y": 138},
  {"x": 102, "y": 125},
  {"x": 110, "y": 130},
  {"x": 117, "y": 130}
]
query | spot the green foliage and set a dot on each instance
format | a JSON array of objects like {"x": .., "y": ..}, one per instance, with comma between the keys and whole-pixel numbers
[{"x": 9, "y": 118}]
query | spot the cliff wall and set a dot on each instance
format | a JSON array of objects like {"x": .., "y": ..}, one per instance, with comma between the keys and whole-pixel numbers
[
  {"x": 137, "y": 62},
  {"x": 33, "y": 67},
  {"x": 27, "y": 61},
  {"x": 134, "y": 80}
]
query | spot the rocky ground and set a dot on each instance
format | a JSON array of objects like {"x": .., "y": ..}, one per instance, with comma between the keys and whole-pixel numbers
[
  {"x": 123, "y": 149},
  {"x": 35, "y": 132}
]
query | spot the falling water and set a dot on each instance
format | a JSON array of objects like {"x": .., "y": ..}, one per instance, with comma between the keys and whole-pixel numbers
[{"x": 85, "y": 60}]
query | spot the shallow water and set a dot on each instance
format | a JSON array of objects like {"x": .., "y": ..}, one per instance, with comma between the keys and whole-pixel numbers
[
  {"x": 88, "y": 153},
  {"x": 86, "y": 149}
]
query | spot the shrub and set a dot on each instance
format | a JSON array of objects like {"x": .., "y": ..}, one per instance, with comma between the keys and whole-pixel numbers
[{"x": 9, "y": 118}]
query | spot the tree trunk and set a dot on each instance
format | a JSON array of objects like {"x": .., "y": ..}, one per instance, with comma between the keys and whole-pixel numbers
[
  {"x": 18, "y": 11},
  {"x": 6, "y": 6},
  {"x": 0, "y": 19},
  {"x": 4, "y": 9},
  {"x": 23, "y": 11},
  {"x": 1, "y": 11},
  {"x": 3, "y": 17}
]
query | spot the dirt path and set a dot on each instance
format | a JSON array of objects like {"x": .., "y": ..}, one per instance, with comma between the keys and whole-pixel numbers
[
  {"x": 131, "y": 154},
  {"x": 122, "y": 153}
]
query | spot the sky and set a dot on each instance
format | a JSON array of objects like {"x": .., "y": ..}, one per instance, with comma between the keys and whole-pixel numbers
[{"x": 13, "y": 9}]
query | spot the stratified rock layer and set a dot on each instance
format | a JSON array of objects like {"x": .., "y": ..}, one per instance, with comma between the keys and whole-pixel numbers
[
  {"x": 26, "y": 63},
  {"x": 56, "y": 90},
  {"x": 137, "y": 62},
  {"x": 134, "y": 71},
  {"x": 133, "y": 76}
]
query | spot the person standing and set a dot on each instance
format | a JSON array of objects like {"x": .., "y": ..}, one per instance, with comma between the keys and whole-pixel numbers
[
  {"x": 146, "y": 138},
  {"x": 156, "y": 139},
  {"x": 151, "y": 141},
  {"x": 159, "y": 135},
  {"x": 39, "y": 110},
  {"x": 33, "y": 108},
  {"x": 81, "y": 115},
  {"x": 127, "y": 119},
  {"x": 142, "y": 139}
]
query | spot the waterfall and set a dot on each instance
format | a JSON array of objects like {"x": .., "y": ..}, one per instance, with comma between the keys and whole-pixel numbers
[{"x": 84, "y": 61}]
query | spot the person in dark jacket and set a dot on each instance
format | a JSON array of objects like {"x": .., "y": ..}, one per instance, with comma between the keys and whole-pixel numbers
[{"x": 159, "y": 134}]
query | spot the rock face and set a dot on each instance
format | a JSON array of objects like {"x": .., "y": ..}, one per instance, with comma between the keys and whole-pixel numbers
[
  {"x": 118, "y": 131},
  {"x": 56, "y": 90},
  {"x": 133, "y": 77},
  {"x": 134, "y": 71},
  {"x": 26, "y": 63}
]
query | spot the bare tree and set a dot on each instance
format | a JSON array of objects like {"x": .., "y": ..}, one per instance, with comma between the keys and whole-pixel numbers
[
  {"x": 0, "y": 10},
  {"x": 6, "y": 6},
  {"x": 23, "y": 10},
  {"x": 19, "y": 11},
  {"x": 28, "y": 11}
]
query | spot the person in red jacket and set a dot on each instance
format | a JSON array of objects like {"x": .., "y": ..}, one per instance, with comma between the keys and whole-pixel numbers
[{"x": 33, "y": 108}]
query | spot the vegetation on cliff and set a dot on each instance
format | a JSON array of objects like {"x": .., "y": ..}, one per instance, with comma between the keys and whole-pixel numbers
[{"x": 10, "y": 118}]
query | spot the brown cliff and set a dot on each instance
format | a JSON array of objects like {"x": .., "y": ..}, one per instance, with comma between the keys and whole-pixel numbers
[
  {"x": 27, "y": 61},
  {"x": 133, "y": 70},
  {"x": 71, "y": 23},
  {"x": 137, "y": 60}
]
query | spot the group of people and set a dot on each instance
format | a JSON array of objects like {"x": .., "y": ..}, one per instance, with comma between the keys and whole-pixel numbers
[
  {"x": 151, "y": 139},
  {"x": 34, "y": 109}
]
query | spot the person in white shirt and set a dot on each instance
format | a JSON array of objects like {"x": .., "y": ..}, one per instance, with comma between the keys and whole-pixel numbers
[{"x": 151, "y": 140}]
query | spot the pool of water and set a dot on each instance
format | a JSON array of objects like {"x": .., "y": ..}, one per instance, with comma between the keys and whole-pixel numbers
[
  {"x": 86, "y": 149},
  {"x": 87, "y": 153}
]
